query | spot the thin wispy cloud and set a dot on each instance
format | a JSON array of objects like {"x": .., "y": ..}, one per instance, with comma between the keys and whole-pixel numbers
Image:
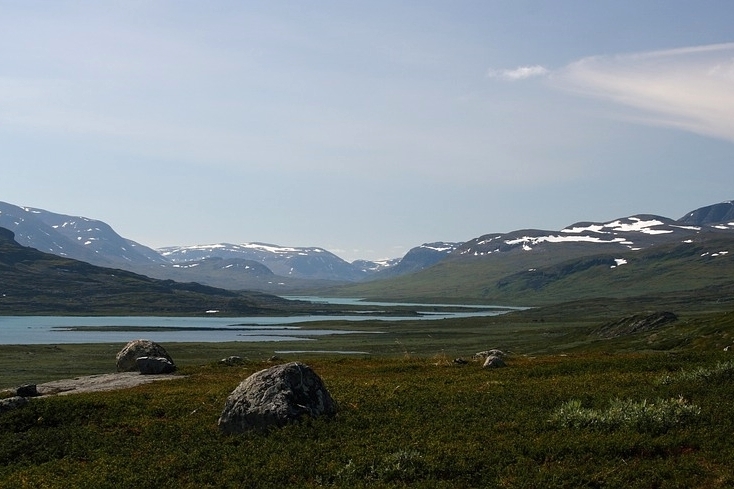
[
  {"x": 688, "y": 88},
  {"x": 519, "y": 73}
]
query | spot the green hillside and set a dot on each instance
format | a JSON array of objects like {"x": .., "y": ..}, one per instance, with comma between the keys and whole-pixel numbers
[
  {"x": 562, "y": 274},
  {"x": 32, "y": 282}
]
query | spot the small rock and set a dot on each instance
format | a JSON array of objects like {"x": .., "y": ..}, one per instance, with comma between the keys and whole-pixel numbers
[
  {"x": 27, "y": 390},
  {"x": 12, "y": 403},
  {"x": 459, "y": 361},
  {"x": 232, "y": 361},
  {"x": 489, "y": 353},
  {"x": 154, "y": 365},
  {"x": 494, "y": 362}
]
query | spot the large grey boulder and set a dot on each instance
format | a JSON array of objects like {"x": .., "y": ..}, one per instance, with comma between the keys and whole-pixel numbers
[
  {"x": 127, "y": 357},
  {"x": 274, "y": 397},
  {"x": 154, "y": 365}
]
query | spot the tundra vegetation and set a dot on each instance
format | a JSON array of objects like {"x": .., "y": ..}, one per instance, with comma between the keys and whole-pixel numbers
[{"x": 572, "y": 408}]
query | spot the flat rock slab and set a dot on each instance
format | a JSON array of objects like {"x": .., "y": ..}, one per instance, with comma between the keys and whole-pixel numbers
[{"x": 100, "y": 382}]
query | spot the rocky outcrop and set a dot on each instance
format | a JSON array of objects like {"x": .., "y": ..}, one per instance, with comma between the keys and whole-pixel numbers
[
  {"x": 635, "y": 324},
  {"x": 127, "y": 357},
  {"x": 275, "y": 397}
]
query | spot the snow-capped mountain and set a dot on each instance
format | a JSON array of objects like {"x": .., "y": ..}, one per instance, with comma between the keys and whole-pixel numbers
[
  {"x": 269, "y": 267},
  {"x": 417, "y": 259},
  {"x": 75, "y": 237},
  {"x": 624, "y": 234},
  {"x": 299, "y": 262},
  {"x": 370, "y": 266}
]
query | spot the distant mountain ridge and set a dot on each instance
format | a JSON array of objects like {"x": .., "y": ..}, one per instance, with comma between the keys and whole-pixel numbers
[
  {"x": 300, "y": 262},
  {"x": 281, "y": 269},
  {"x": 636, "y": 254}
]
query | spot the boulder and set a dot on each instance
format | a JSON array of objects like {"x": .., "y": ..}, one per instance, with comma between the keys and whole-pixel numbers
[
  {"x": 275, "y": 397},
  {"x": 12, "y": 403},
  {"x": 493, "y": 361},
  {"x": 232, "y": 361},
  {"x": 127, "y": 357},
  {"x": 154, "y": 365}
]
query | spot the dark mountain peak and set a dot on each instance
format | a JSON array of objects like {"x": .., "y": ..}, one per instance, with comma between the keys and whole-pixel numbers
[
  {"x": 721, "y": 213},
  {"x": 7, "y": 235}
]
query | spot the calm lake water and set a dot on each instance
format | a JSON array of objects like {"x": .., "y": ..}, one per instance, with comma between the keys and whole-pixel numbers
[{"x": 25, "y": 330}]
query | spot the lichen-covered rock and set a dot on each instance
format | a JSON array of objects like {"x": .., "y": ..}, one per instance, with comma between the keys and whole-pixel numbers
[
  {"x": 232, "y": 361},
  {"x": 274, "y": 397},
  {"x": 127, "y": 357},
  {"x": 481, "y": 355},
  {"x": 12, "y": 403},
  {"x": 154, "y": 365},
  {"x": 493, "y": 361}
]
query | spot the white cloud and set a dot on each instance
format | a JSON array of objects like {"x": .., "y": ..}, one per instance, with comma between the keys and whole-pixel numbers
[
  {"x": 690, "y": 88},
  {"x": 519, "y": 73}
]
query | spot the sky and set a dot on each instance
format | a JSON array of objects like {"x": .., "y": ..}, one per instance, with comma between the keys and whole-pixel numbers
[{"x": 365, "y": 128}]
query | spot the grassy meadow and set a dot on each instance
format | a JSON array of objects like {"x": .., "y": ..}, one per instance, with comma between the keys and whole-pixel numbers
[
  {"x": 403, "y": 421},
  {"x": 571, "y": 410}
]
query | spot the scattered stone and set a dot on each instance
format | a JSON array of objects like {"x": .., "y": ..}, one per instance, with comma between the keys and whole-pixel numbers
[
  {"x": 727, "y": 348},
  {"x": 494, "y": 362},
  {"x": 127, "y": 357},
  {"x": 154, "y": 365},
  {"x": 489, "y": 353},
  {"x": 275, "y": 397},
  {"x": 232, "y": 361},
  {"x": 11, "y": 403},
  {"x": 459, "y": 361},
  {"x": 27, "y": 390},
  {"x": 274, "y": 358}
]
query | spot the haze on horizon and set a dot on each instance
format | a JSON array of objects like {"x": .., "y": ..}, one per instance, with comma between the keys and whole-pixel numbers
[{"x": 366, "y": 128}]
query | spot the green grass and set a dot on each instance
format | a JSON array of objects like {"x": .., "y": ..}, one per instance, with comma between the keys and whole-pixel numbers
[{"x": 404, "y": 421}]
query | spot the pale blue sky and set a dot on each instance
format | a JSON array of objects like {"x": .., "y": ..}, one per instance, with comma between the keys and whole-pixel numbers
[{"x": 365, "y": 128}]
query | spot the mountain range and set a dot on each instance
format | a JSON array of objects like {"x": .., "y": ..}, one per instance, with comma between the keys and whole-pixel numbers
[
  {"x": 256, "y": 266},
  {"x": 481, "y": 267}
]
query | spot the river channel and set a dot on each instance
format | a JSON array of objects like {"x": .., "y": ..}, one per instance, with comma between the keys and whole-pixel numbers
[{"x": 26, "y": 330}]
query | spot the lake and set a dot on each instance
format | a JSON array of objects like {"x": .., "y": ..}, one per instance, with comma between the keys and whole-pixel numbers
[{"x": 25, "y": 330}]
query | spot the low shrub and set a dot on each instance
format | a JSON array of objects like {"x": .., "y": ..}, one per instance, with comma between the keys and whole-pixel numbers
[
  {"x": 720, "y": 371},
  {"x": 642, "y": 416}
]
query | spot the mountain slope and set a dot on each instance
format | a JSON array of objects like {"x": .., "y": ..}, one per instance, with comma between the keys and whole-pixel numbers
[
  {"x": 79, "y": 238},
  {"x": 33, "y": 282},
  {"x": 627, "y": 256},
  {"x": 721, "y": 214},
  {"x": 417, "y": 259}
]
